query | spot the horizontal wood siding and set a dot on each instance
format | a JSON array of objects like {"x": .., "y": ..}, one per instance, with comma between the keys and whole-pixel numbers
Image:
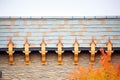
[{"x": 67, "y": 29}]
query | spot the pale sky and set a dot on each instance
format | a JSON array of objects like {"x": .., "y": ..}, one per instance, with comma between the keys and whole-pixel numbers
[{"x": 59, "y": 7}]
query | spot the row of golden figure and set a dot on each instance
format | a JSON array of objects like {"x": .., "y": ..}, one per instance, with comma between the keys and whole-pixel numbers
[{"x": 59, "y": 51}]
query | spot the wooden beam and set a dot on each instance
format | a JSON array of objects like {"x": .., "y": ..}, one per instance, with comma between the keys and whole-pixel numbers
[
  {"x": 109, "y": 49},
  {"x": 59, "y": 51},
  {"x": 76, "y": 51},
  {"x": 10, "y": 51},
  {"x": 92, "y": 51},
  {"x": 43, "y": 52},
  {"x": 27, "y": 51}
]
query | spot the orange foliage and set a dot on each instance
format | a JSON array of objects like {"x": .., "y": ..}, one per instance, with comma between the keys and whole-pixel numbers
[{"x": 107, "y": 71}]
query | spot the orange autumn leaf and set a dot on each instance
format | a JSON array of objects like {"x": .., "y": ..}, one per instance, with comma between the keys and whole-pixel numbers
[
  {"x": 107, "y": 71},
  {"x": 118, "y": 69}
]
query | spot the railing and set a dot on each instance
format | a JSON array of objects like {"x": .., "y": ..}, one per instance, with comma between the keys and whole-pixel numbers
[{"x": 59, "y": 50}]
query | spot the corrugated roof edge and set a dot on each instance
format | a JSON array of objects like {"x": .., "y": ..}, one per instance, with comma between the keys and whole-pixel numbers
[
  {"x": 55, "y": 48},
  {"x": 82, "y": 17}
]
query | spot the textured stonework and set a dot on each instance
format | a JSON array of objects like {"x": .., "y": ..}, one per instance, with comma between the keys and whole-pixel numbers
[{"x": 51, "y": 71}]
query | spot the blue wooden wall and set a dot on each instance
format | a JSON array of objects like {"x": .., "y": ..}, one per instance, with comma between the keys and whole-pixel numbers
[{"x": 67, "y": 28}]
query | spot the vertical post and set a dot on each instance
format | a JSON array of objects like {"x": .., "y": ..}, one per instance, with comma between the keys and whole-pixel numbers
[
  {"x": 10, "y": 51},
  {"x": 76, "y": 51},
  {"x": 59, "y": 51},
  {"x": 0, "y": 75},
  {"x": 109, "y": 49},
  {"x": 27, "y": 51},
  {"x": 43, "y": 52},
  {"x": 92, "y": 51}
]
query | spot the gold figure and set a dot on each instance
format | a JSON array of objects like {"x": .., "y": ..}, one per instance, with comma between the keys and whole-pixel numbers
[
  {"x": 109, "y": 49},
  {"x": 76, "y": 51},
  {"x": 10, "y": 51},
  {"x": 59, "y": 51},
  {"x": 92, "y": 51},
  {"x": 43, "y": 52},
  {"x": 27, "y": 51}
]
